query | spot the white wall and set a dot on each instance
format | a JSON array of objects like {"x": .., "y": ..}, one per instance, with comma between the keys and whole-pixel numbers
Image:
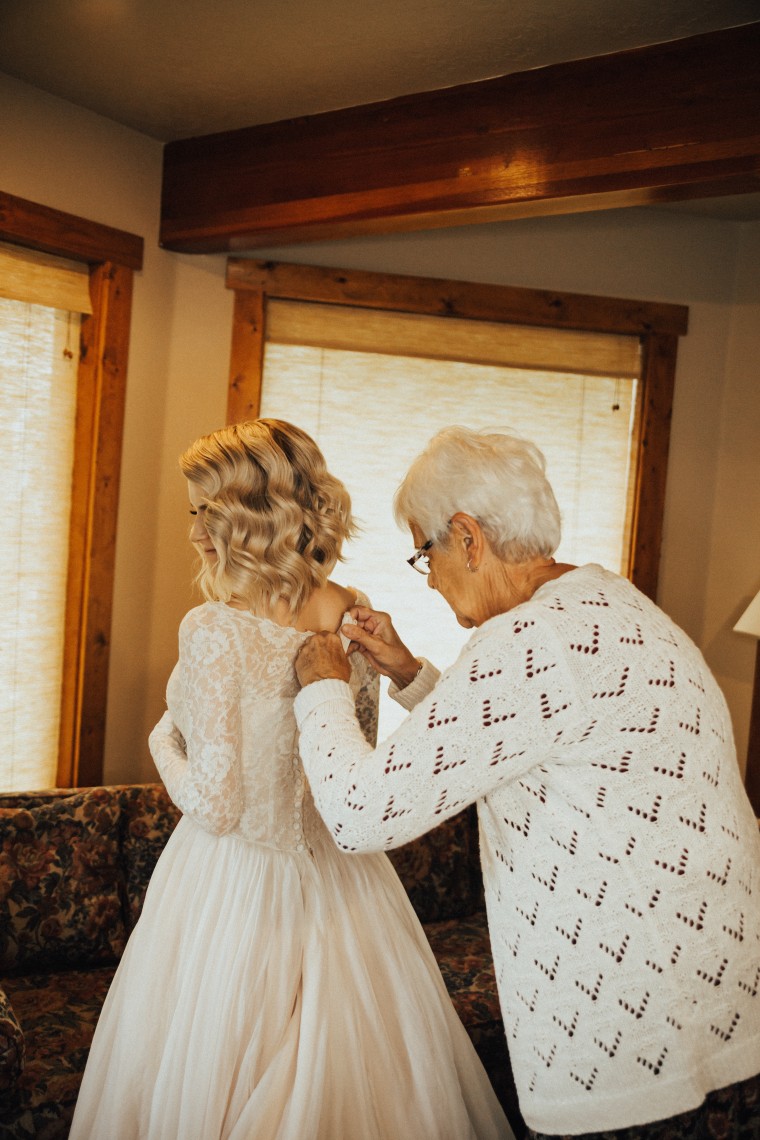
[
  {"x": 732, "y": 574},
  {"x": 67, "y": 158},
  {"x": 61, "y": 156}
]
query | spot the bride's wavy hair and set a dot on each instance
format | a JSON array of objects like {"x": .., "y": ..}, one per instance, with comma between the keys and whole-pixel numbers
[{"x": 275, "y": 515}]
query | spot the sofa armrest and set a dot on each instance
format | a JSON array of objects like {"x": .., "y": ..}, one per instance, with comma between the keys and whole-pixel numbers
[
  {"x": 60, "y": 903},
  {"x": 12, "y": 1046},
  {"x": 148, "y": 818}
]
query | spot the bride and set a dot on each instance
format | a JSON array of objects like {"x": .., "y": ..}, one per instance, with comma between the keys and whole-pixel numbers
[{"x": 274, "y": 988}]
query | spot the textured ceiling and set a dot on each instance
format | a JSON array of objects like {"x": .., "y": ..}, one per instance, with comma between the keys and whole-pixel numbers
[{"x": 177, "y": 68}]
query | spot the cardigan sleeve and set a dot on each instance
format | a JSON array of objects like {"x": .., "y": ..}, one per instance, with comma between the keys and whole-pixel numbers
[
  {"x": 413, "y": 693},
  {"x": 491, "y": 717}
]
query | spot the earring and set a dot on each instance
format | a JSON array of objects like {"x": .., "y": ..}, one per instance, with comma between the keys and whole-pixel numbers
[{"x": 472, "y": 569}]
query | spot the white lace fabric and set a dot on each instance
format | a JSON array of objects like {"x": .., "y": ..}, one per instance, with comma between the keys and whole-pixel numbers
[
  {"x": 273, "y": 987},
  {"x": 227, "y": 746}
]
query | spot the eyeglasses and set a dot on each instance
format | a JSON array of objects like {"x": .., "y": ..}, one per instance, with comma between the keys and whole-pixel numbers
[{"x": 419, "y": 560}]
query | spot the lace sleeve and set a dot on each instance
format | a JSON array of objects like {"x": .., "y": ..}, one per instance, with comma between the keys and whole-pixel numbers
[{"x": 203, "y": 777}]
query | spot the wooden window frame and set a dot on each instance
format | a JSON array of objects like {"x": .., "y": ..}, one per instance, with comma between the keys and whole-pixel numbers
[
  {"x": 658, "y": 327},
  {"x": 112, "y": 256}
]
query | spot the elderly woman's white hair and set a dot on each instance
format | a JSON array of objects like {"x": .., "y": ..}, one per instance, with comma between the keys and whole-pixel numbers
[{"x": 497, "y": 478}]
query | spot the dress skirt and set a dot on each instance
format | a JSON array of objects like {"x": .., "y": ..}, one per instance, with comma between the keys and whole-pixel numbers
[{"x": 272, "y": 995}]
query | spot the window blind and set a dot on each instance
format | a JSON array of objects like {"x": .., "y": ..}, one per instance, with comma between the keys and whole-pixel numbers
[
  {"x": 40, "y": 279},
  {"x": 39, "y": 349},
  {"x": 440, "y": 338}
]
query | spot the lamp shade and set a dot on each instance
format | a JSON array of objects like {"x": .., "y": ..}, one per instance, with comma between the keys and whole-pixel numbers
[{"x": 749, "y": 622}]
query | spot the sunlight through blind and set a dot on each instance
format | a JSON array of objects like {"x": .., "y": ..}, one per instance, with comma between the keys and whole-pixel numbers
[
  {"x": 372, "y": 412},
  {"x": 39, "y": 350}
]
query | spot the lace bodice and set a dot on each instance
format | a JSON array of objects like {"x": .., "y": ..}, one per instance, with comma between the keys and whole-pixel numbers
[{"x": 227, "y": 747}]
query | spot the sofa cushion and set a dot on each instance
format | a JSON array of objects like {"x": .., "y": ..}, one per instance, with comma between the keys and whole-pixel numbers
[
  {"x": 441, "y": 870},
  {"x": 148, "y": 819},
  {"x": 58, "y": 1013},
  {"x": 463, "y": 950},
  {"x": 11, "y": 1044},
  {"x": 59, "y": 883}
]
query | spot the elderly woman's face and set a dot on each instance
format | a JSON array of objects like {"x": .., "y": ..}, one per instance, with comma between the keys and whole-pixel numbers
[{"x": 451, "y": 578}]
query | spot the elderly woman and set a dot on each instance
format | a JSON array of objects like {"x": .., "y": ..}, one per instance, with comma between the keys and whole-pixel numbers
[{"x": 620, "y": 853}]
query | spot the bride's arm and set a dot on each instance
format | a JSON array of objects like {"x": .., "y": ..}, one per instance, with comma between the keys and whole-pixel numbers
[{"x": 203, "y": 777}]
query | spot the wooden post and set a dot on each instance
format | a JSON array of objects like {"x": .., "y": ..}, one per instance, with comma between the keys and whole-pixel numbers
[
  {"x": 94, "y": 506},
  {"x": 752, "y": 771},
  {"x": 247, "y": 356},
  {"x": 658, "y": 379}
]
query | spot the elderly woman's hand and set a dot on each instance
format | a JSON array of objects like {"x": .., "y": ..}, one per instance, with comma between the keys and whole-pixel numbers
[
  {"x": 320, "y": 658},
  {"x": 373, "y": 635}
]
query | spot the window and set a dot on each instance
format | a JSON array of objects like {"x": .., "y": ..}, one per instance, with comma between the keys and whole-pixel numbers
[
  {"x": 40, "y": 306},
  {"x": 99, "y": 355},
  {"x": 374, "y": 369},
  {"x": 406, "y": 375}
]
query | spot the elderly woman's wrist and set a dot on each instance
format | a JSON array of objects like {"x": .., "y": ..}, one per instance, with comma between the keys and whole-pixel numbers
[{"x": 405, "y": 676}]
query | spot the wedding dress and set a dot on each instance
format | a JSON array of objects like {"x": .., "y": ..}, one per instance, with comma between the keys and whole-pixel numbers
[{"x": 274, "y": 988}]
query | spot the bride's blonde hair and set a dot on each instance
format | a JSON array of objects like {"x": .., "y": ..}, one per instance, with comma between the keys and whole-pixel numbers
[{"x": 275, "y": 514}]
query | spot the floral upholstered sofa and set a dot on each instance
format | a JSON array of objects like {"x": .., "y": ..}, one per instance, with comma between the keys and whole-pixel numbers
[{"x": 74, "y": 867}]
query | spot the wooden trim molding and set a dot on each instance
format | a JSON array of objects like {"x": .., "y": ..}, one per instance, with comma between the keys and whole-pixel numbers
[
  {"x": 444, "y": 298},
  {"x": 247, "y": 355},
  {"x": 95, "y": 499},
  {"x": 65, "y": 235},
  {"x": 657, "y": 325},
  {"x": 752, "y": 773},
  {"x": 672, "y": 121},
  {"x": 659, "y": 351},
  {"x": 112, "y": 256}
]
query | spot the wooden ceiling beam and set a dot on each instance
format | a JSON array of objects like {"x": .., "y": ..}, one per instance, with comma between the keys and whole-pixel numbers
[{"x": 673, "y": 121}]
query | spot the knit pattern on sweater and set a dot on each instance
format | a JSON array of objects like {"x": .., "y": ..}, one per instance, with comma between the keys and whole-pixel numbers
[{"x": 620, "y": 854}]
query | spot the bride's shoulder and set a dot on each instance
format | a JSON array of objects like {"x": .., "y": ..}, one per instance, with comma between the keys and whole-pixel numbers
[
  {"x": 198, "y": 616},
  {"x": 206, "y": 634},
  {"x": 326, "y": 607}
]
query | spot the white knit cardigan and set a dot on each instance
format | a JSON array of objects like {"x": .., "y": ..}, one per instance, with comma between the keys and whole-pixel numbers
[{"x": 620, "y": 853}]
